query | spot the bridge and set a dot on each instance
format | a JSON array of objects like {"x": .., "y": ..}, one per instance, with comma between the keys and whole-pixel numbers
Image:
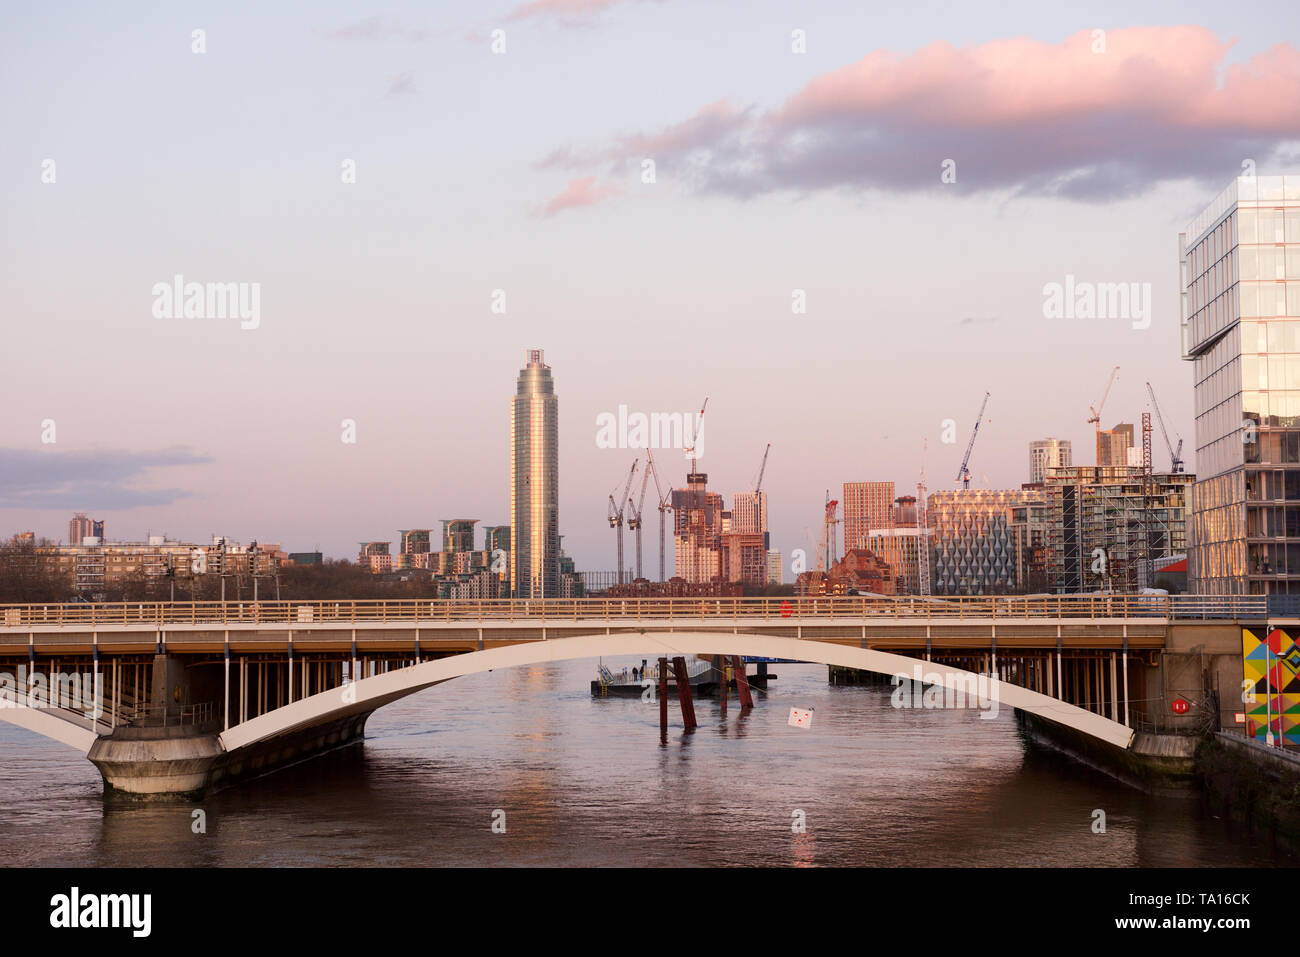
[{"x": 176, "y": 697}]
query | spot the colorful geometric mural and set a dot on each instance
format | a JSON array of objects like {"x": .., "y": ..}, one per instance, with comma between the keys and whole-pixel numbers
[{"x": 1271, "y": 667}]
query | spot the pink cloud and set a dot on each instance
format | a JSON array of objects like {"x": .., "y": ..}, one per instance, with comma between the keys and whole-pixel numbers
[
  {"x": 1017, "y": 114},
  {"x": 1167, "y": 73},
  {"x": 579, "y": 193},
  {"x": 712, "y": 121}
]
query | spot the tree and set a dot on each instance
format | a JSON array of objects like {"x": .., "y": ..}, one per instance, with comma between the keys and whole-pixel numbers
[{"x": 26, "y": 576}]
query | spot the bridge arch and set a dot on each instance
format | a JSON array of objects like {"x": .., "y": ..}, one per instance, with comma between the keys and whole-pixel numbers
[
  {"x": 58, "y": 724},
  {"x": 368, "y": 694}
]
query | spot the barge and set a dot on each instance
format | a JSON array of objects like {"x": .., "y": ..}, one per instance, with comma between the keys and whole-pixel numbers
[{"x": 702, "y": 674}]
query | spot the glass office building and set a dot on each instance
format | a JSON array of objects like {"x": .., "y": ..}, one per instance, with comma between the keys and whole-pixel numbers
[
  {"x": 535, "y": 483},
  {"x": 1240, "y": 264}
]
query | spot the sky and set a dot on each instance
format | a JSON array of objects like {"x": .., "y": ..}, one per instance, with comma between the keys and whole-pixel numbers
[{"x": 422, "y": 192}]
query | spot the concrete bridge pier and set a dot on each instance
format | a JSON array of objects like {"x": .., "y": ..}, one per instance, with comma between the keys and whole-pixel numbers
[
  {"x": 169, "y": 689},
  {"x": 185, "y": 762}
]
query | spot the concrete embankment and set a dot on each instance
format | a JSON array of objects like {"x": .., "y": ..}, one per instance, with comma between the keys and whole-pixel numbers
[
  {"x": 1237, "y": 778},
  {"x": 1251, "y": 783},
  {"x": 1156, "y": 762}
]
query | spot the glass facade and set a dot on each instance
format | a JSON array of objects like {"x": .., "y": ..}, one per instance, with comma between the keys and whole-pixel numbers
[
  {"x": 458, "y": 534},
  {"x": 1240, "y": 263},
  {"x": 415, "y": 541},
  {"x": 535, "y": 483}
]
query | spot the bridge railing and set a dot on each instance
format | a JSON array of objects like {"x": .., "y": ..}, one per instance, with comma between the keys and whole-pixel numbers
[
  {"x": 161, "y": 716},
  {"x": 304, "y": 614}
]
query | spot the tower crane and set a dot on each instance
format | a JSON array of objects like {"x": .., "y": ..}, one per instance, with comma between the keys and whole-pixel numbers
[
  {"x": 922, "y": 530},
  {"x": 758, "y": 491},
  {"x": 634, "y": 520},
  {"x": 1095, "y": 417},
  {"x": 963, "y": 474},
  {"x": 758, "y": 483},
  {"x": 1175, "y": 455},
  {"x": 665, "y": 505},
  {"x": 695, "y": 434},
  {"x": 616, "y": 515},
  {"x": 832, "y": 543}
]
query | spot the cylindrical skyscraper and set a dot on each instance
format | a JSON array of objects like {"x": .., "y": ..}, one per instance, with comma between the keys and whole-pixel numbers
[{"x": 535, "y": 483}]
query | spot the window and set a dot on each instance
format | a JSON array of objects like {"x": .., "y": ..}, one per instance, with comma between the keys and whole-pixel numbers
[
  {"x": 1268, "y": 262},
  {"x": 1249, "y": 293},
  {"x": 1246, "y": 225},
  {"x": 1291, "y": 217},
  {"x": 1248, "y": 263},
  {"x": 1277, "y": 372}
]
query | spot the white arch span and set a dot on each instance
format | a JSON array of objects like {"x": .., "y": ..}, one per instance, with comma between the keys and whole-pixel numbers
[
  {"x": 66, "y": 727},
  {"x": 370, "y": 693}
]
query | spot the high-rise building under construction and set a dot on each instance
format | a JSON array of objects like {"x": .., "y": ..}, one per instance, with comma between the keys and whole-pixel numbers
[
  {"x": 697, "y": 530},
  {"x": 1107, "y": 524},
  {"x": 749, "y": 514}
]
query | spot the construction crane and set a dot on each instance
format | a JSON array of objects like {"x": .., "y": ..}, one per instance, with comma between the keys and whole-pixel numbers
[
  {"x": 832, "y": 543},
  {"x": 695, "y": 434},
  {"x": 1175, "y": 455},
  {"x": 758, "y": 491},
  {"x": 1095, "y": 417},
  {"x": 634, "y": 520},
  {"x": 665, "y": 505},
  {"x": 616, "y": 516},
  {"x": 922, "y": 530},
  {"x": 963, "y": 474},
  {"x": 758, "y": 483}
]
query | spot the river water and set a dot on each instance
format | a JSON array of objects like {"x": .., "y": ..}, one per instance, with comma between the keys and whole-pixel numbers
[{"x": 583, "y": 781}]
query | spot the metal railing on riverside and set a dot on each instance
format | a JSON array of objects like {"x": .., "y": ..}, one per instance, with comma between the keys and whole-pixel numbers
[
  {"x": 1202, "y": 717},
  {"x": 409, "y": 611}
]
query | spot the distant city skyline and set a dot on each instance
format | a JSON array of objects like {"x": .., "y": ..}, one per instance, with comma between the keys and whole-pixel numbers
[{"x": 500, "y": 202}]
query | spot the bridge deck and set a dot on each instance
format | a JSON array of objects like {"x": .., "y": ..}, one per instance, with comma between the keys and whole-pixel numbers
[
  {"x": 541, "y": 610},
  {"x": 904, "y": 623},
  {"x": 274, "y": 669}
]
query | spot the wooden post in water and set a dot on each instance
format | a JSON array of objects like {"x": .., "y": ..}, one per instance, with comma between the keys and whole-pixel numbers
[
  {"x": 742, "y": 682},
  {"x": 720, "y": 665},
  {"x": 684, "y": 692},
  {"x": 663, "y": 700}
]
